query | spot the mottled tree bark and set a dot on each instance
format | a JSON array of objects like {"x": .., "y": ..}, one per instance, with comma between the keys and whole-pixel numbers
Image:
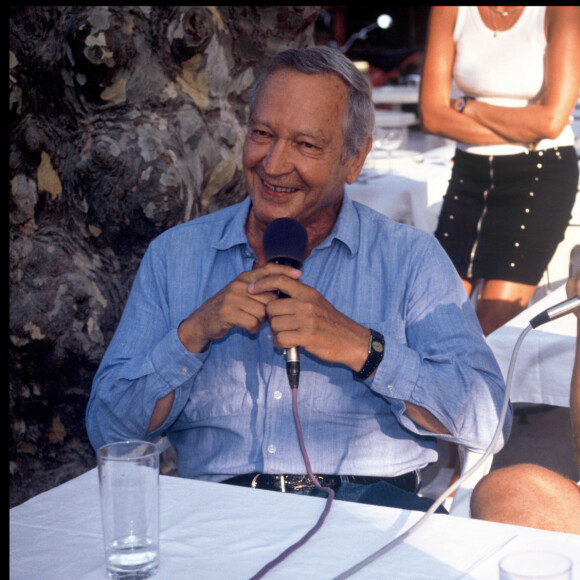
[{"x": 124, "y": 121}]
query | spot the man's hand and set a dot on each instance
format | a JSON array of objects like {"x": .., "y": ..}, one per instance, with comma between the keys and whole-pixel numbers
[
  {"x": 233, "y": 306},
  {"x": 308, "y": 320}
]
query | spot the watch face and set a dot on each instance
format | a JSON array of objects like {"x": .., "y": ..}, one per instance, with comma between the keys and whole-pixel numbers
[{"x": 377, "y": 346}]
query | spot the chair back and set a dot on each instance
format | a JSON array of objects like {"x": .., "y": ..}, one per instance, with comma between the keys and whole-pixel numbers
[{"x": 459, "y": 504}]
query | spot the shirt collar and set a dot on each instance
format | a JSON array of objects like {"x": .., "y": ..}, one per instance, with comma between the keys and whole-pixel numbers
[
  {"x": 346, "y": 229},
  {"x": 234, "y": 234}
]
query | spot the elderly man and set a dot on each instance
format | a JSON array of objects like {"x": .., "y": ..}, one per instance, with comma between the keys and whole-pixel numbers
[{"x": 392, "y": 355}]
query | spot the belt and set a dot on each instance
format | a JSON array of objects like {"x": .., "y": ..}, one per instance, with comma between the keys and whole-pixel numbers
[{"x": 296, "y": 483}]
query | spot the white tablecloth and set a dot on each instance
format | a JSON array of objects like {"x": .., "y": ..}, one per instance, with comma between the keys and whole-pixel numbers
[
  {"x": 396, "y": 95},
  {"x": 544, "y": 364},
  {"x": 216, "y": 531},
  {"x": 412, "y": 192}
]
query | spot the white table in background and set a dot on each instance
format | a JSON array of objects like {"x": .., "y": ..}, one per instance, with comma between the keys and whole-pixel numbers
[
  {"x": 396, "y": 95},
  {"x": 216, "y": 531},
  {"x": 543, "y": 366},
  {"x": 412, "y": 192},
  {"x": 396, "y": 119}
]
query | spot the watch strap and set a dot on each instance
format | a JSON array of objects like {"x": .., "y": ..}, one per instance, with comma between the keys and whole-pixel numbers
[
  {"x": 460, "y": 103},
  {"x": 375, "y": 356}
]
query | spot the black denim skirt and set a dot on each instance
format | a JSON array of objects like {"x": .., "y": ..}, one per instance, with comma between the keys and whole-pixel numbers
[{"x": 503, "y": 216}]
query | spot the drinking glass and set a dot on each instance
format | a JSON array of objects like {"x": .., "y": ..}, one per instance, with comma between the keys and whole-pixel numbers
[
  {"x": 540, "y": 565},
  {"x": 129, "y": 487},
  {"x": 387, "y": 140}
]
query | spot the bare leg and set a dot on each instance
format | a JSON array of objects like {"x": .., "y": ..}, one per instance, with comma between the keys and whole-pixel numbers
[
  {"x": 468, "y": 285},
  {"x": 528, "y": 495},
  {"x": 500, "y": 301}
]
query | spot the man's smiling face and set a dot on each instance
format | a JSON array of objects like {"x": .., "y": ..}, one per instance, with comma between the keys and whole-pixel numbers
[{"x": 294, "y": 154}]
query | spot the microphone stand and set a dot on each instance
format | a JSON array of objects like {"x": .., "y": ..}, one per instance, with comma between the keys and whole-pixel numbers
[{"x": 383, "y": 21}]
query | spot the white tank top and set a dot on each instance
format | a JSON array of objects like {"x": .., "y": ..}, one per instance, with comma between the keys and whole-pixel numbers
[{"x": 504, "y": 68}]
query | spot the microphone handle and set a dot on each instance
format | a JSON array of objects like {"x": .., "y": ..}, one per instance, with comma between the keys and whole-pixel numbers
[
  {"x": 292, "y": 356},
  {"x": 293, "y": 366},
  {"x": 292, "y": 359},
  {"x": 556, "y": 311}
]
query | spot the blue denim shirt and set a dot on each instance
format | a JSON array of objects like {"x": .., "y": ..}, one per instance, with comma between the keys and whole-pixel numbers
[{"x": 233, "y": 412}]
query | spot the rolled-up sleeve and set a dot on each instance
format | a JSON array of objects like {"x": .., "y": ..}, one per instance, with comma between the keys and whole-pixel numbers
[{"x": 443, "y": 363}]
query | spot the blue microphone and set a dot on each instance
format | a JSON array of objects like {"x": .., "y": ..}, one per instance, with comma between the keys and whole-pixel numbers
[{"x": 285, "y": 242}]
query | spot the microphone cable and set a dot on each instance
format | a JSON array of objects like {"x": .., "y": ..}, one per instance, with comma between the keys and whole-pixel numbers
[
  {"x": 273, "y": 563},
  {"x": 285, "y": 241},
  {"x": 401, "y": 538}
]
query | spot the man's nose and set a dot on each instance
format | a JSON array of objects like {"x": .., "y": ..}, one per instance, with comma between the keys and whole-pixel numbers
[{"x": 279, "y": 159}]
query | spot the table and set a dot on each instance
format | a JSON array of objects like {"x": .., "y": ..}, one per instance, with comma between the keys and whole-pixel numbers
[
  {"x": 394, "y": 119},
  {"x": 412, "y": 193},
  {"x": 396, "y": 95},
  {"x": 398, "y": 119},
  {"x": 215, "y": 531},
  {"x": 544, "y": 364}
]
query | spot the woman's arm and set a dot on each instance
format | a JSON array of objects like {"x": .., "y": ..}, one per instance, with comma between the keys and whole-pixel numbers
[
  {"x": 437, "y": 115},
  {"x": 546, "y": 119}
]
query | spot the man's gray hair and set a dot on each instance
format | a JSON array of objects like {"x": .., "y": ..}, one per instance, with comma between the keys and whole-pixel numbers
[{"x": 360, "y": 117}]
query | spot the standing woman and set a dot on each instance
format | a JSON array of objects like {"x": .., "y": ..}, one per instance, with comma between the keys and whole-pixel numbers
[{"x": 515, "y": 173}]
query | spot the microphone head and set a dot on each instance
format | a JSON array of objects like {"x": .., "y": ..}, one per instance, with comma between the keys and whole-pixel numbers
[{"x": 285, "y": 242}]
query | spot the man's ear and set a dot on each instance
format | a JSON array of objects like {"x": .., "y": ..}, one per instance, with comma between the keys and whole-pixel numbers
[{"x": 357, "y": 162}]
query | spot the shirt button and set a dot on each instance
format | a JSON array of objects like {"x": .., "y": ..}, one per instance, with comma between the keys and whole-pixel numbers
[
  {"x": 391, "y": 388},
  {"x": 183, "y": 370},
  {"x": 277, "y": 395},
  {"x": 271, "y": 449}
]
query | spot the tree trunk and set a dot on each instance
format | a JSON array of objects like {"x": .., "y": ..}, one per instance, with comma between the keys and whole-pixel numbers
[{"x": 124, "y": 121}]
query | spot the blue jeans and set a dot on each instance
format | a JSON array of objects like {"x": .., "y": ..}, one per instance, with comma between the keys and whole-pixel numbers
[{"x": 383, "y": 494}]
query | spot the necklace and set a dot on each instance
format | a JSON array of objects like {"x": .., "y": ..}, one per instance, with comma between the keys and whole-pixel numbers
[{"x": 504, "y": 13}]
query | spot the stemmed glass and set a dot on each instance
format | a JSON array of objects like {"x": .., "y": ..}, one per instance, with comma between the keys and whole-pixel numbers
[{"x": 386, "y": 139}]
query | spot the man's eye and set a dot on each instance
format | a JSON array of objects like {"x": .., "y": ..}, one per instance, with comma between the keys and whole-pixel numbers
[
  {"x": 258, "y": 133},
  {"x": 309, "y": 146}
]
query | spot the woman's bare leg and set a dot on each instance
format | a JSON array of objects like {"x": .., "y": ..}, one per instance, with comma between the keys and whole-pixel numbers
[{"x": 500, "y": 301}]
